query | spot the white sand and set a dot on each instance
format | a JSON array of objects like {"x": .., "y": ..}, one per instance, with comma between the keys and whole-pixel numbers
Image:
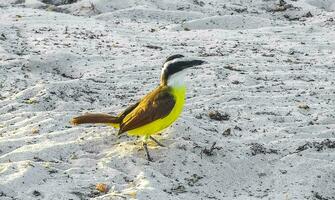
[{"x": 270, "y": 69}]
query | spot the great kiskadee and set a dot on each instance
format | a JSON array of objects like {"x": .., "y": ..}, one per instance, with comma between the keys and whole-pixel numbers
[{"x": 155, "y": 111}]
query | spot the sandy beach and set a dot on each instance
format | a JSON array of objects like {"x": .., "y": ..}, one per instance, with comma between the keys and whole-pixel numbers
[{"x": 259, "y": 117}]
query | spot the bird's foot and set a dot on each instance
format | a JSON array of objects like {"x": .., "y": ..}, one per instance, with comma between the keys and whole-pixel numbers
[
  {"x": 145, "y": 146},
  {"x": 156, "y": 141}
]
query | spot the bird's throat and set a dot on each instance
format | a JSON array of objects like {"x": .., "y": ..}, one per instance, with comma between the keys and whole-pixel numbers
[{"x": 177, "y": 80}]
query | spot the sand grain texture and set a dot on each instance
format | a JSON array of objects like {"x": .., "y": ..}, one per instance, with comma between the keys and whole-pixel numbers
[{"x": 269, "y": 81}]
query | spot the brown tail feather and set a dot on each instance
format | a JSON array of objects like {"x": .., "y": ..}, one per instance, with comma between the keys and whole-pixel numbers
[{"x": 94, "y": 118}]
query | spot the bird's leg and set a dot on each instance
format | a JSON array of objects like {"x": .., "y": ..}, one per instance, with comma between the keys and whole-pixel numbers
[
  {"x": 156, "y": 141},
  {"x": 145, "y": 146}
]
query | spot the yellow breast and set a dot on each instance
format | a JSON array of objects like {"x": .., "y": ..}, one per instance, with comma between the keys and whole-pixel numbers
[{"x": 160, "y": 124}]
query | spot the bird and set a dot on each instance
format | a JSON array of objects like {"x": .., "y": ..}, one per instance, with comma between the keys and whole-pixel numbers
[{"x": 155, "y": 111}]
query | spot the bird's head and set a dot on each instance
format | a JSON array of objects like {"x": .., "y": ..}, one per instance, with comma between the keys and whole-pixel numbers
[{"x": 174, "y": 68}]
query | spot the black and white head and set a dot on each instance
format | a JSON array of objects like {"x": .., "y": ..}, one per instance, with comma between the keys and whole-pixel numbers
[{"x": 174, "y": 68}]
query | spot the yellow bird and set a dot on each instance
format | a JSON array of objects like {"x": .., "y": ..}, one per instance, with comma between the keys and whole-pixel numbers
[{"x": 155, "y": 111}]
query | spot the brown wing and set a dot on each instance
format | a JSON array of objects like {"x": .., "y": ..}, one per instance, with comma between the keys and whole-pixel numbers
[
  {"x": 155, "y": 105},
  {"x": 122, "y": 115}
]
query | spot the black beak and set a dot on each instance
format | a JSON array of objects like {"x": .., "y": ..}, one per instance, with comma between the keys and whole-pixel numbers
[
  {"x": 181, "y": 65},
  {"x": 192, "y": 63}
]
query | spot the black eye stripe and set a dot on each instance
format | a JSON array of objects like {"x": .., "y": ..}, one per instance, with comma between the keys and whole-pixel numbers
[
  {"x": 175, "y": 67},
  {"x": 170, "y": 68}
]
